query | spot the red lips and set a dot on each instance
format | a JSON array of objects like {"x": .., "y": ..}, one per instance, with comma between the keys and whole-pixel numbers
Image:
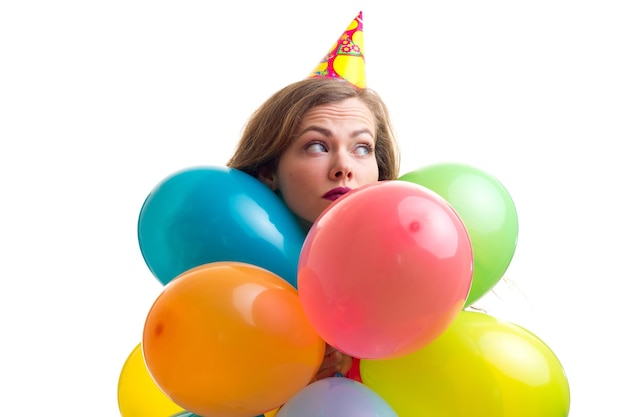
[{"x": 335, "y": 193}]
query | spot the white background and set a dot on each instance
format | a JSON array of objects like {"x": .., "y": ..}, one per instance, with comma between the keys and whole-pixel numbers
[{"x": 101, "y": 100}]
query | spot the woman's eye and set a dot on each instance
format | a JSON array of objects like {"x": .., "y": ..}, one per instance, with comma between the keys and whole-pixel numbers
[
  {"x": 364, "y": 149},
  {"x": 315, "y": 147}
]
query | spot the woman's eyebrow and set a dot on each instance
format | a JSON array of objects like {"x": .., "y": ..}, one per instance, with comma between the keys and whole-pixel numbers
[
  {"x": 327, "y": 132},
  {"x": 314, "y": 128},
  {"x": 361, "y": 131}
]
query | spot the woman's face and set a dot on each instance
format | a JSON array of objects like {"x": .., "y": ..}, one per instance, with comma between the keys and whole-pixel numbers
[{"x": 332, "y": 154}]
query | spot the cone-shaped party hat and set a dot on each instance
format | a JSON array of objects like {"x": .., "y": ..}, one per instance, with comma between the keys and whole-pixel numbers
[{"x": 345, "y": 59}]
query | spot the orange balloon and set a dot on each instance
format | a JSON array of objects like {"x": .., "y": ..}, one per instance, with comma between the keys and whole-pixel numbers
[{"x": 230, "y": 339}]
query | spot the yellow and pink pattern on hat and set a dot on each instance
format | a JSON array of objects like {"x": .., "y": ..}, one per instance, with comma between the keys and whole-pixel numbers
[{"x": 345, "y": 59}]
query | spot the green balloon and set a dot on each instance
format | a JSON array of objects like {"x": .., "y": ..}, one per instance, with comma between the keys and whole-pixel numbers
[{"x": 488, "y": 212}]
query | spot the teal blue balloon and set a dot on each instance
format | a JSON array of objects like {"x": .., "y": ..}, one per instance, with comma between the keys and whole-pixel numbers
[
  {"x": 488, "y": 213},
  {"x": 210, "y": 214}
]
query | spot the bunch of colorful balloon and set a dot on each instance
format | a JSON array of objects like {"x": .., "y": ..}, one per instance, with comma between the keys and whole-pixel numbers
[
  {"x": 384, "y": 274},
  {"x": 227, "y": 336}
]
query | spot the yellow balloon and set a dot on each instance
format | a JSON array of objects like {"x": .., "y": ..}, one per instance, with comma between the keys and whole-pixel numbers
[
  {"x": 137, "y": 393},
  {"x": 479, "y": 366}
]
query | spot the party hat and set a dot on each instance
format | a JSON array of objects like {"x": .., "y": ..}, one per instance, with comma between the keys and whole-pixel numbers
[{"x": 345, "y": 59}]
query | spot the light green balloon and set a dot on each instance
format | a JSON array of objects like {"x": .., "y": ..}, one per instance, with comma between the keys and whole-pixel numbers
[{"x": 488, "y": 212}]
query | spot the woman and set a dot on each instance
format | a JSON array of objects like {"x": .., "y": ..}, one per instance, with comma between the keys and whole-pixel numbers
[{"x": 312, "y": 142}]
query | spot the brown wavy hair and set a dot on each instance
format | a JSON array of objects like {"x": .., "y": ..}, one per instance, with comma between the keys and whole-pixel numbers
[{"x": 275, "y": 124}]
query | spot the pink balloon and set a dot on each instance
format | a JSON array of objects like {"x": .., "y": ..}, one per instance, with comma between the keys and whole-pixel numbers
[{"x": 385, "y": 270}]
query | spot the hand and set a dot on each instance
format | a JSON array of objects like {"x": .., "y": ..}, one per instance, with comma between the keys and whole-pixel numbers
[{"x": 334, "y": 361}]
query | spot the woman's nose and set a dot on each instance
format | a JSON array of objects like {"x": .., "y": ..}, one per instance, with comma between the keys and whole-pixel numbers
[{"x": 341, "y": 168}]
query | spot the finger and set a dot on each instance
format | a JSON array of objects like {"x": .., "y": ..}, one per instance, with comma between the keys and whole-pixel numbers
[
  {"x": 329, "y": 349},
  {"x": 332, "y": 360},
  {"x": 345, "y": 365}
]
